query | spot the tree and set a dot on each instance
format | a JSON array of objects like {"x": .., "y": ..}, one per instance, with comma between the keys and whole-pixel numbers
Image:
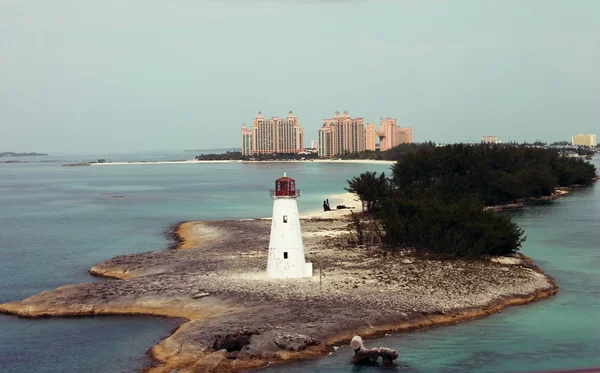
[
  {"x": 435, "y": 201},
  {"x": 369, "y": 187},
  {"x": 448, "y": 229}
]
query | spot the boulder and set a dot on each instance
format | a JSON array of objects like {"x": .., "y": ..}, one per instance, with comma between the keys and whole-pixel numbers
[{"x": 234, "y": 342}]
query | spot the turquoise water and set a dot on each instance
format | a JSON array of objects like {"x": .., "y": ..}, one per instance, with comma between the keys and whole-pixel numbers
[{"x": 56, "y": 222}]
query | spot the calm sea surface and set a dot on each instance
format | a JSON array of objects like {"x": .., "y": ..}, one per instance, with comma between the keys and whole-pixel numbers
[{"x": 56, "y": 222}]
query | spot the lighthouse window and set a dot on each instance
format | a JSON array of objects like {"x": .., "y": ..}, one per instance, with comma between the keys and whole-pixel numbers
[
  {"x": 285, "y": 255},
  {"x": 285, "y": 218}
]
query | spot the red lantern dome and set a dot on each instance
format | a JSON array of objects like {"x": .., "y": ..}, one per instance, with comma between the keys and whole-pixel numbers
[{"x": 285, "y": 187}]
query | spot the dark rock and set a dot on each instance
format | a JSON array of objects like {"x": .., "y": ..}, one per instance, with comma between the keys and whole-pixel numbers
[{"x": 233, "y": 342}]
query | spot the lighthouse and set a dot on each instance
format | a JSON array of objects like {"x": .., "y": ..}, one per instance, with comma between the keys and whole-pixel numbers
[{"x": 286, "y": 250}]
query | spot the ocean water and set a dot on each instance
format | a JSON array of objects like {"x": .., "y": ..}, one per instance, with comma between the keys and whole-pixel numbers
[{"x": 56, "y": 222}]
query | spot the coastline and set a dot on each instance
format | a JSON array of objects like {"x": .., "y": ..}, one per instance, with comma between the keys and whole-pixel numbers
[
  {"x": 194, "y": 161},
  {"x": 520, "y": 203},
  {"x": 154, "y": 279}
]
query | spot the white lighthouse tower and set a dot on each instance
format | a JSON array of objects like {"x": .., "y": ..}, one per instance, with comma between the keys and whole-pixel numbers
[{"x": 286, "y": 250}]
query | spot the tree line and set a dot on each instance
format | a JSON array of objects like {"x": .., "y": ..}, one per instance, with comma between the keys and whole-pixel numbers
[
  {"x": 237, "y": 156},
  {"x": 434, "y": 200},
  {"x": 393, "y": 154}
]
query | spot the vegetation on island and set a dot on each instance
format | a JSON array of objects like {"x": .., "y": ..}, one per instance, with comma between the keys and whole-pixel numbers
[
  {"x": 394, "y": 154},
  {"x": 227, "y": 156},
  {"x": 13, "y": 154},
  {"x": 434, "y": 202},
  {"x": 237, "y": 156}
]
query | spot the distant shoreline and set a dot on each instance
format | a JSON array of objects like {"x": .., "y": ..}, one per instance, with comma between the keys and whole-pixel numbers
[
  {"x": 194, "y": 161},
  {"x": 13, "y": 154}
]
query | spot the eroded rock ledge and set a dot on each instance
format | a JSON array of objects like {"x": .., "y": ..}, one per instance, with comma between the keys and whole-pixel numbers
[{"x": 217, "y": 282}]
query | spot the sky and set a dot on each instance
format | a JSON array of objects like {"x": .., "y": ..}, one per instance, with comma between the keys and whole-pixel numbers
[{"x": 144, "y": 75}]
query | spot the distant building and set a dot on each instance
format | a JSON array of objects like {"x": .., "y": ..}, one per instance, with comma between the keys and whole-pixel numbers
[
  {"x": 314, "y": 144},
  {"x": 389, "y": 135},
  {"x": 341, "y": 134},
  {"x": 275, "y": 135},
  {"x": 584, "y": 140},
  {"x": 404, "y": 135},
  {"x": 489, "y": 140},
  {"x": 370, "y": 137},
  {"x": 247, "y": 139}
]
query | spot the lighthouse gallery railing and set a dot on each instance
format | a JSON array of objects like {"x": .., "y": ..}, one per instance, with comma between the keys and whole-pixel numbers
[{"x": 293, "y": 193}]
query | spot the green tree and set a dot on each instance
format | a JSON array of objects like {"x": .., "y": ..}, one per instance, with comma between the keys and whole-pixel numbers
[
  {"x": 434, "y": 202},
  {"x": 448, "y": 229},
  {"x": 369, "y": 187}
]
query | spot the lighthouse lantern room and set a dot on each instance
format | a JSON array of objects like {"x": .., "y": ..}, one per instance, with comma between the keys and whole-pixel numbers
[{"x": 286, "y": 250}]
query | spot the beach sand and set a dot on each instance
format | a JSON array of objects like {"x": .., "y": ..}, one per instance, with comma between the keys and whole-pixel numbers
[{"x": 348, "y": 199}]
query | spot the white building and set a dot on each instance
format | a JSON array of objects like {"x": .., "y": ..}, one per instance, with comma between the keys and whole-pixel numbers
[{"x": 286, "y": 249}]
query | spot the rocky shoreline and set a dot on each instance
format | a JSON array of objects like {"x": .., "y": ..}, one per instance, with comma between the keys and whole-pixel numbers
[
  {"x": 558, "y": 192},
  {"x": 215, "y": 279}
]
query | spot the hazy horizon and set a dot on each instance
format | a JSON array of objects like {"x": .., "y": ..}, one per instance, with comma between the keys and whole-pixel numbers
[{"x": 113, "y": 76}]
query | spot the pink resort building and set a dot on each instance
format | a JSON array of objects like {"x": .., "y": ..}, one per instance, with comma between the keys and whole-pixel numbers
[
  {"x": 389, "y": 135},
  {"x": 274, "y": 135},
  {"x": 489, "y": 139},
  {"x": 370, "y": 137},
  {"x": 341, "y": 134}
]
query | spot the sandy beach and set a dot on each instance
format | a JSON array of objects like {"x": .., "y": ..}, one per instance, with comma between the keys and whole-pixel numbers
[
  {"x": 347, "y": 199},
  {"x": 214, "y": 277}
]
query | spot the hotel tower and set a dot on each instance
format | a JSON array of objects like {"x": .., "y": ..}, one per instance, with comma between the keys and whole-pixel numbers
[
  {"x": 274, "y": 135},
  {"x": 389, "y": 135},
  {"x": 341, "y": 134}
]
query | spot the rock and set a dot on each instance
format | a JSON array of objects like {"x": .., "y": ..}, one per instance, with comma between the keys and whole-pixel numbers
[
  {"x": 233, "y": 354},
  {"x": 200, "y": 295},
  {"x": 234, "y": 342},
  {"x": 294, "y": 342},
  {"x": 207, "y": 364},
  {"x": 407, "y": 261}
]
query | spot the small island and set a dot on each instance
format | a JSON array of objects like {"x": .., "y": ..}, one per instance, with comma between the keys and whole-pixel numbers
[
  {"x": 13, "y": 154},
  {"x": 426, "y": 251}
]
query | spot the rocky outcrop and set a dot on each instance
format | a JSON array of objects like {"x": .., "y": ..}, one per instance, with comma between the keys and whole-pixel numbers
[
  {"x": 233, "y": 342},
  {"x": 238, "y": 318},
  {"x": 294, "y": 342}
]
